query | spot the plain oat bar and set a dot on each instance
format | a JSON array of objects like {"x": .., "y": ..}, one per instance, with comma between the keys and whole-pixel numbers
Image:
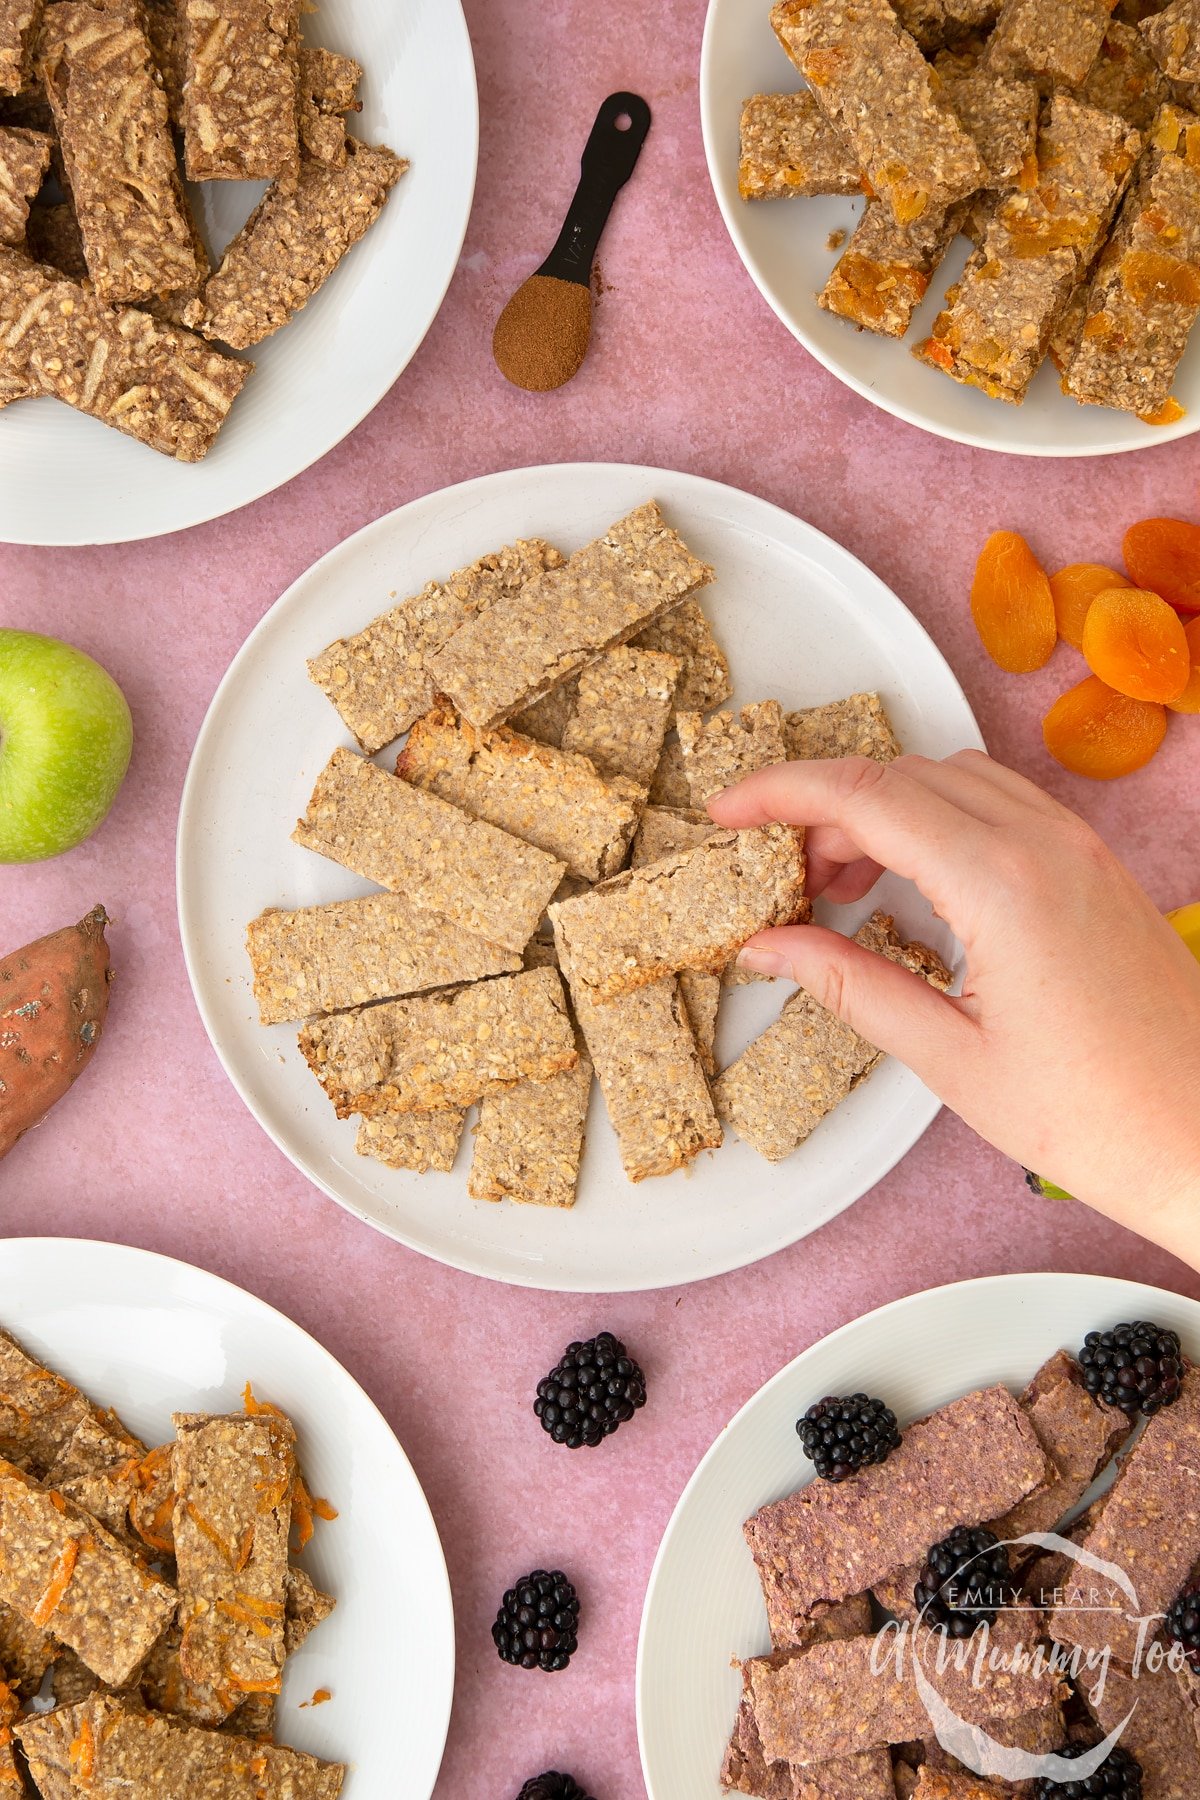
[
  {"x": 325, "y": 959},
  {"x": 442, "y": 1051},
  {"x": 529, "y": 1140},
  {"x": 789, "y": 147},
  {"x": 417, "y": 1141},
  {"x": 436, "y": 855},
  {"x": 550, "y": 798},
  {"x": 669, "y": 786},
  {"x": 685, "y": 632},
  {"x": 377, "y": 679},
  {"x": 18, "y": 28},
  {"x": 111, "y": 112},
  {"x": 719, "y": 751},
  {"x": 24, "y": 159},
  {"x": 528, "y": 641},
  {"x": 666, "y": 830},
  {"x": 856, "y": 726},
  {"x": 293, "y": 241},
  {"x": 691, "y": 911},
  {"x": 624, "y": 702},
  {"x": 240, "y": 103}
]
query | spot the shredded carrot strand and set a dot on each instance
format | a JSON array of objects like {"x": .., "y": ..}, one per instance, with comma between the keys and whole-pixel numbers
[
  {"x": 83, "y": 1752},
  {"x": 60, "y": 1581},
  {"x": 244, "y": 1616},
  {"x": 210, "y": 1531},
  {"x": 302, "y": 1519},
  {"x": 325, "y": 1511},
  {"x": 245, "y": 1549},
  {"x": 256, "y": 1687}
]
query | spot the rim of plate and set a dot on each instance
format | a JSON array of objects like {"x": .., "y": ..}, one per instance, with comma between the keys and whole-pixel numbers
[
  {"x": 308, "y": 458},
  {"x": 100, "y": 1249},
  {"x": 924, "y": 1106},
  {"x": 1116, "y": 1284},
  {"x": 712, "y": 129}
]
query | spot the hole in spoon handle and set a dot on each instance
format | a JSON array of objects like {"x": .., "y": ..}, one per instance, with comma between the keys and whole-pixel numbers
[{"x": 609, "y": 158}]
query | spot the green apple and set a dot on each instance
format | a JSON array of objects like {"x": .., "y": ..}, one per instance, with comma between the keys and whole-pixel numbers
[{"x": 65, "y": 741}]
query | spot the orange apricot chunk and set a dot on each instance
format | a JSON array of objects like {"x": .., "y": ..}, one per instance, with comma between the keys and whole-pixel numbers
[
  {"x": 1136, "y": 643},
  {"x": 1074, "y": 588},
  {"x": 1094, "y": 731},
  {"x": 1012, "y": 605},
  {"x": 1163, "y": 555},
  {"x": 1189, "y": 700}
]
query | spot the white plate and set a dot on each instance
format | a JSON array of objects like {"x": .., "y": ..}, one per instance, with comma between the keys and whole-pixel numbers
[
  {"x": 151, "y": 1336},
  {"x": 800, "y": 618},
  {"x": 704, "y": 1604},
  {"x": 65, "y": 479},
  {"x": 783, "y": 244}
]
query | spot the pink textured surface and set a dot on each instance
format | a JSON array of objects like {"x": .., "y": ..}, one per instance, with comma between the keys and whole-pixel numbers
[{"x": 690, "y": 370}]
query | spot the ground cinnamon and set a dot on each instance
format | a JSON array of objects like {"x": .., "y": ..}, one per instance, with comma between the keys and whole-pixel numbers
[{"x": 541, "y": 337}]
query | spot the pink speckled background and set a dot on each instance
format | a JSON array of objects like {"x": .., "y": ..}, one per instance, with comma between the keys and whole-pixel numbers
[{"x": 690, "y": 370}]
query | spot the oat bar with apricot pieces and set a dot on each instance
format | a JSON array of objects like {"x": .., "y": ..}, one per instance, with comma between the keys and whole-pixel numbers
[
  {"x": 417, "y": 1141},
  {"x": 623, "y": 704},
  {"x": 1125, "y": 79},
  {"x": 935, "y": 23},
  {"x": 324, "y": 959},
  {"x": 875, "y": 87},
  {"x": 293, "y": 241},
  {"x": 855, "y": 726},
  {"x": 1000, "y": 317},
  {"x": 154, "y": 382},
  {"x": 111, "y": 112},
  {"x": 528, "y": 641},
  {"x": 109, "y": 1748},
  {"x": 685, "y": 632},
  {"x": 1173, "y": 39},
  {"x": 529, "y": 1140},
  {"x": 806, "y": 1063},
  {"x": 63, "y": 1572},
  {"x": 328, "y": 91},
  {"x": 721, "y": 750},
  {"x": 442, "y": 1051},
  {"x": 240, "y": 90},
  {"x": 1145, "y": 296},
  {"x": 377, "y": 679},
  {"x": 1052, "y": 40},
  {"x": 24, "y": 159},
  {"x": 691, "y": 911},
  {"x": 788, "y": 147},
  {"x": 439, "y": 857},
  {"x": 550, "y": 798}
]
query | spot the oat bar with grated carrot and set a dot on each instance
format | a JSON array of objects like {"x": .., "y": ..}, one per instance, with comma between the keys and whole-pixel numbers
[
  {"x": 623, "y": 704},
  {"x": 24, "y": 159},
  {"x": 154, "y": 382},
  {"x": 95, "y": 63},
  {"x": 240, "y": 102},
  {"x": 62, "y": 1571},
  {"x": 97, "y": 1468},
  {"x": 875, "y": 87},
  {"x": 234, "y": 1478},
  {"x": 39, "y": 1410},
  {"x": 788, "y": 147}
]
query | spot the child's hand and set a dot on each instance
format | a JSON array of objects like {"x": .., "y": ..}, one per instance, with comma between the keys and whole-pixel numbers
[{"x": 1075, "y": 1047}]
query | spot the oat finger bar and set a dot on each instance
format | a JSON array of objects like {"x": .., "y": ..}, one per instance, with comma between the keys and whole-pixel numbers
[
  {"x": 665, "y": 830},
  {"x": 884, "y": 272},
  {"x": 1145, "y": 296},
  {"x": 111, "y": 113},
  {"x": 97, "y": 1468},
  {"x": 377, "y": 679},
  {"x": 1158, "y": 1716},
  {"x": 417, "y": 1141},
  {"x": 877, "y": 89},
  {"x": 52, "y": 236},
  {"x": 670, "y": 784},
  {"x": 746, "y": 1770},
  {"x": 108, "y": 1749},
  {"x": 789, "y": 147},
  {"x": 1173, "y": 39},
  {"x": 1079, "y": 1434},
  {"x": 1125, "y": 79},
  {"x": 240, "y": 89},
  {"x": 62, "y": 1571},
  {"x": 24, "y": 159},
  {"x": 328, "y": 91},
  {"x": 154, "y": 382},
  {"x": 806, "y": 1063},
  {"x": 856, "y": 726},
  {"x": 293, "y": 241},
  {"x": 18, "y": 28},
  {"x": 690, "y": 911},
  {"x": 1054, "y": 40},
  {"x": 550, "y": 798},
  {"x": 719, "y": 751},
  {"x": 443, "y": 1051},
  {"x": 624, "y": 703},
  {"x": 529, "y": 1140},
  {"x": 436, "y": 855},
  {"x": 528, "y": 641},
  {"x": 39, "y": 1410},
  {"x": 685, "y": 632},
  {"x": 547, "y": 719},
  {"x": 325, "y": 959}
]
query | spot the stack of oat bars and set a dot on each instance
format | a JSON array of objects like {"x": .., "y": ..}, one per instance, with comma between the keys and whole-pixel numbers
[
  {"x": 108, "y": 298},
  {"x": 554, "y": 899},
  {"x": 1060, "y": 137},
  {"x": 148, "y": 1598}
]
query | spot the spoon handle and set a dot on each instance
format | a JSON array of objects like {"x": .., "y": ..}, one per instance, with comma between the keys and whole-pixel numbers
[{"x": 609, "y": 158}]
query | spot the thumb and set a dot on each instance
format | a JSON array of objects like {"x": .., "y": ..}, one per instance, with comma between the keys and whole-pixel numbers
[{"x": 885, "y": 1003}]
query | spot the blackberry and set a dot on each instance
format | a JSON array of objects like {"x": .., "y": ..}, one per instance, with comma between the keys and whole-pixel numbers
[
  {"x": 538, "y": 1623},
  {"x": 1119, "y": 1777},
  {"x": 965, "y": 1581},
  {"x": 593, "y": 1388},
  {"x": 1183, "y": 1623},
  {"x": 552, "y": 1786},
  {"x": 1138, "y": 1367},
  {"x": 842, "y": 1434}
]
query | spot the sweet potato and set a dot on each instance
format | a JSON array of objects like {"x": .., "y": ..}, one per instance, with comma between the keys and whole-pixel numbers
[{"x": 53, "y": 1002}]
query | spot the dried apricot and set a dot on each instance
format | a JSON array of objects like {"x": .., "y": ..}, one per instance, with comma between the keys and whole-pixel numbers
[
  {"x": 1092, "y": 730},
  {"x": 1074, "y": 588},
  {"x": 1134, "y": 641},
  {"x": 1163, "y": 555},
  {"x": 1012, "y": 605},
  {"x": 1189, "y": 700}
]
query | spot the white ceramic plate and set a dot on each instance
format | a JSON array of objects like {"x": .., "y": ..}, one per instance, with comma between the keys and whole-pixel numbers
[
  {"x": 65, "y": 479},
  {"x": 783, "y": 244},
  {"x": 704, "y": 1604},
  {"x": 151, "y": 1336},
  {"x": 799, "y": 618}
]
